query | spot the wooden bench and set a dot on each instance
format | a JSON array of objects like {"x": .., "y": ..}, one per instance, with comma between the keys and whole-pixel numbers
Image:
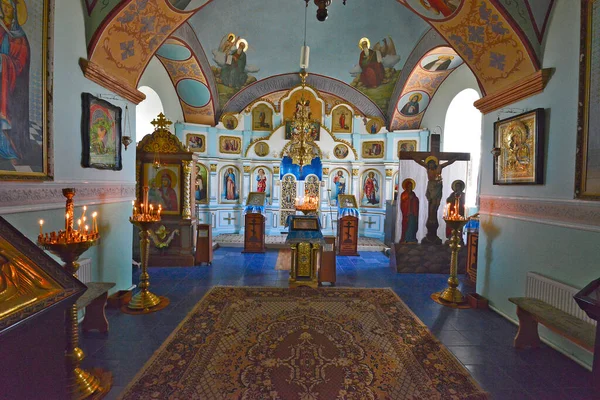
[
  {"x": 94, "y": 301},
  {"x": 533, "y": 311}
]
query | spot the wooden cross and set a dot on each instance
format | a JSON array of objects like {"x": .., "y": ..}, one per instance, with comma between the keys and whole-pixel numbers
[
  {"x": 348, "y": 227},
  {"x": 253, "y": 224},
  {"x": 229, "y": 219},
  {"x": 369, "y": 222},
  {"x": 431, "y": 161}
]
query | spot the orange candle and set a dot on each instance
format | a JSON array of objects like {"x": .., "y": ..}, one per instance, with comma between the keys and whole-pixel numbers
[{"x": 41, "y": 223}]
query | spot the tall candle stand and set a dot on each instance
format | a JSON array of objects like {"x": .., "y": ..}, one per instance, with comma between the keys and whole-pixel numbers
[
  {"x": 144, "y": 218},
  {"x": 69, "y": 245},
  {"x": 452, "y": 294}
]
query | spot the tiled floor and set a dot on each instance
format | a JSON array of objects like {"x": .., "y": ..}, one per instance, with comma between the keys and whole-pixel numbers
[{"x": 480, "y": 339}]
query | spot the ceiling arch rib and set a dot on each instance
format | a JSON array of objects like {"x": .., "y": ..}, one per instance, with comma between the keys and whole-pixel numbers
[
  {"x": 430, "y": 71},
  {"x": 480, "y": 31},
  {"x": 286, "y": 82},
  {"x": 428, "y": 42},
  {"x": 187, "y": 35},
  {"x": 189, "y": 80}
]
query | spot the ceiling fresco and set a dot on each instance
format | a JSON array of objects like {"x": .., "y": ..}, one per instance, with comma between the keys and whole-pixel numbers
[
  {"x": 363, "y": 46},
  {"x": 274, "y": 36}
]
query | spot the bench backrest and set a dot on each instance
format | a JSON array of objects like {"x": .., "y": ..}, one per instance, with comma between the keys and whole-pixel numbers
[{"x": 555, "y": 293}]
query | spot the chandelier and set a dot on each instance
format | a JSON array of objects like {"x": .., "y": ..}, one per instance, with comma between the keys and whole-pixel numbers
[
  {"x": 322, "y": 8},
  {"x": 302, "y": 147}
]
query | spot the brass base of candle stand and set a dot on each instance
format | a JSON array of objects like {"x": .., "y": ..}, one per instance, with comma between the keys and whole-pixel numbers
[
  {"x": 452, "y": 295},
  {"x": 144, "y": 300}
]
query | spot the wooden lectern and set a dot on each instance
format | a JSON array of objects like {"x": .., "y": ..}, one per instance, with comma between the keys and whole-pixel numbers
[
  {"x": 305, "y": 239},
  {"x": 327, "y": 272},
  {"x": 347, "y": 232},
  {"x": 36, "y": 295},
  {"x": 204, "y": 247},
  {"x": 348, "y": 236},
  {"x": 254, "y": 228}
]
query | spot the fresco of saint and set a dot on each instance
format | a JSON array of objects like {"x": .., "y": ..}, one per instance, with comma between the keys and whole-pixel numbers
[{"x": 14, "y": 83}]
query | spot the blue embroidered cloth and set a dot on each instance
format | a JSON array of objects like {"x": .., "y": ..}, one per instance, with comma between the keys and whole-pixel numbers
[
  {"x": 254, "y": 209},
  {"x": 342, "y": 212},
  {"x": 304, "y": 229}
]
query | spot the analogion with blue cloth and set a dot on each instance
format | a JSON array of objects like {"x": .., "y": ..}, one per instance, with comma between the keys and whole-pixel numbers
[{"x": 305, "y": 239}]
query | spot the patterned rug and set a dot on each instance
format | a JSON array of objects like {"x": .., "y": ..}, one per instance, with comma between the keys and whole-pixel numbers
[
  {"x": 278, "y": 242},
  {"x": 304, "y": 344}
]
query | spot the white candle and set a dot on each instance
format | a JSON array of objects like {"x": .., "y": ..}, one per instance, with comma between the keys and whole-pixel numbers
[{"x": 94, "y": 223}]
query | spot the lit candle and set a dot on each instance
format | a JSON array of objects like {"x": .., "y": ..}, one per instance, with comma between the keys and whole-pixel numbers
[
  {"x": 159, "y": 210},
  {"x": 133, "y": 206},
  {"x": 83, "y": 213},
  {"x": 67, "y": 222},
  {"x": 41, "y": 223},
  {"x": 79, "y": 225},
  {"x": 94, "y": 224},
  {"x": 86, "y": 229},
  {"x": 145, "y": 203}
]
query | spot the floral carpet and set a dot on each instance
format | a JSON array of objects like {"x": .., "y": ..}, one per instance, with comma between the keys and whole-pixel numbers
[{"x": 305, "y": 344}]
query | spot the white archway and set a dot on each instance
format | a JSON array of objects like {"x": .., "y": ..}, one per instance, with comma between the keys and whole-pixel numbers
[
  {"x": 462, "y": 133},
  {"x": 146, "y": 111}
]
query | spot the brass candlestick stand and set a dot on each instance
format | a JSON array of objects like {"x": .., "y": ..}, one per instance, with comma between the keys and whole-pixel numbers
[
  {"x": 144, "y": 219},
  {"x": 451, "y": 294},
  {"x": 144, "y": 300},
  {"x": 69, "y": 245}
]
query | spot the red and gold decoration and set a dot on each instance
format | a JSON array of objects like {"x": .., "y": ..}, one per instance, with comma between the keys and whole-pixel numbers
[
  {"x": 145, "y": 215},
  {"x": 261, "y": 343},
  {"x": 69, "y": 244}
]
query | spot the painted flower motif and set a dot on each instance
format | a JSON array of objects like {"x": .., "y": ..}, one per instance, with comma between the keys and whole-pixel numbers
[
  {"x": 127, "y": 50},
  {"x": 484, "y": 12},
  {"x": 476, "y": 34},
  {"x": 497, "y": 61},
  {"x": 147, "y": 23},
  {"x": 305, "y": 336}
]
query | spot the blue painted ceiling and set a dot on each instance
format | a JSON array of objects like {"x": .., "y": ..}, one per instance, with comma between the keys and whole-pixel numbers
[{"x": 274, "y": 30}]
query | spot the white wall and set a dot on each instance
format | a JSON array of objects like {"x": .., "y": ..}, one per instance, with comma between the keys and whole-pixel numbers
[
  {"x": 510, "y": 247},
  {"x": 435, "y": 115}
]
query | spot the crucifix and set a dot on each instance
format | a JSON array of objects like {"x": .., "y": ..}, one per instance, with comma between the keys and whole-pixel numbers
[
  {"x": 229, "y": 219},
  {"x": 430, "y": 160}
]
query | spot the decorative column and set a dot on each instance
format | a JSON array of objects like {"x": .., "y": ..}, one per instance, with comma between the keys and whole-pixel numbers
[{"x": 186, "y": 213}]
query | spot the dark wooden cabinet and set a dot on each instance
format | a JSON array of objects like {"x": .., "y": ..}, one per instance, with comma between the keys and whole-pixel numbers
[
  {"x": 204, "y": 248},
  {"x": 254, "y": 233},
  {"x": 348, "y": 236}
]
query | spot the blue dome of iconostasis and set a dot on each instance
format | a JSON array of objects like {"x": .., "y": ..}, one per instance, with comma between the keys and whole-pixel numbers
[{"x": 315, "y": 168}]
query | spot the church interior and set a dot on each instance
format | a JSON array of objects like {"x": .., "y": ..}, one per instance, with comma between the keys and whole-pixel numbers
[{"x": 299, "y": 199}]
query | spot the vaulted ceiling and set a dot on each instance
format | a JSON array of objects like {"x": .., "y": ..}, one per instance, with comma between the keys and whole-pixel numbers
[{"x": 500, "y": 40}]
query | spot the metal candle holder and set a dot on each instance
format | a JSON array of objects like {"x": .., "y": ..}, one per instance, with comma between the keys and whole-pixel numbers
[
  {"x": 451, "y": 294},
  {"x": 68, "y": 245}
]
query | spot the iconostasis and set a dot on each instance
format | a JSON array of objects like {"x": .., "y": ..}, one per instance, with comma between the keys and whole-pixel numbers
[{"x": 245, "y": 153}]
